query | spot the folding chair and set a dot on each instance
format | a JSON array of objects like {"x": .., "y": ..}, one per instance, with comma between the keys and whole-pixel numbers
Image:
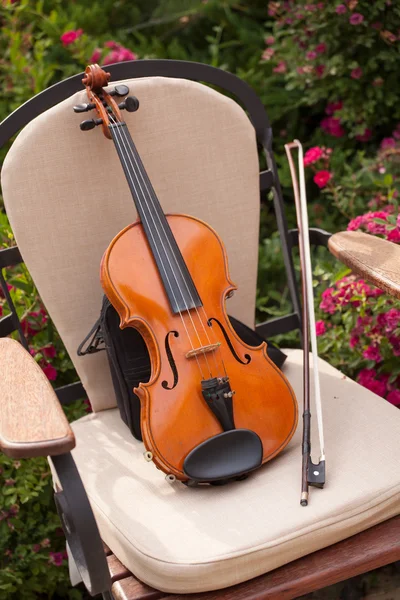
[{"x": 66, "y": 198}]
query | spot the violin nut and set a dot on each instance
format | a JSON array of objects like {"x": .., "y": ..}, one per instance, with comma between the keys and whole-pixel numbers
[
  {"x": 148, "y": 456},
  {"x": 170, "y": 478}
]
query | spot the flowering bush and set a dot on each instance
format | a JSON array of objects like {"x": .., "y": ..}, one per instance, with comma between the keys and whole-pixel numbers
[
  {"x": 360, "y": 334},
  {"x": 339, "y": 55}
]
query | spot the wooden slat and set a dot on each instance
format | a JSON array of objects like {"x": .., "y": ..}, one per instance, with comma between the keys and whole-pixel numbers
[
  {"x": 131, "y": 588},
  {"x": 117, "y": 569},
  {"x": 370, "y": 257},
  {"x": 32, "y": 422},
  {"x": 363, "y": 552}
]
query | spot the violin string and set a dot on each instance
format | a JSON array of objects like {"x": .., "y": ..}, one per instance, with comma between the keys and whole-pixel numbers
[
  {"x": 151, "y": 195},
  {"x": 113, "y": 121},
  {"x": 127, "y": 148}
]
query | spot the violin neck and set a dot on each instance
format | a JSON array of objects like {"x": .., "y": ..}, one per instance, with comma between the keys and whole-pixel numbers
[{"x": 178, "y": 283}]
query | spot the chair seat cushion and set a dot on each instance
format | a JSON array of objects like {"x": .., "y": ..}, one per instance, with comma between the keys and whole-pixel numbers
[{"x": 181, "y": 539}]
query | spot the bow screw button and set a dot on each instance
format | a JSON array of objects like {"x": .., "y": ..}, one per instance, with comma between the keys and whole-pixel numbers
[
  {"x": 90, "y": 124},
  {"x": 79, "y": 108},
  {"x": 131, "y": 104}
]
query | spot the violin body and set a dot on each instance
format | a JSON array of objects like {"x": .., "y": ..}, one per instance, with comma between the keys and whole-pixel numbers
[{"x": 175, "y": 417}]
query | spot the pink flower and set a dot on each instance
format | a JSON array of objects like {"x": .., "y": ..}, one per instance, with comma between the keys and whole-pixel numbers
[
  {"x": 95, "y": 56},
  {"x": 321, "y": 178},
  {"x": 320, "y": 48},
  {"x": 45, "y": 543},
  {"x": 366, "y": 378},
  {"x": 9, "y": 482},
  {"x": 69, "y": 37},
  {"x": 56, "y": 558},
  {"x": 36, "y": 548},
  {"x": 332, "y": 107},
  {"x": 49, "y": 351},
  {"x": 270, "y": 40},
  {"x": 372, "y": 353},
  {"x": 280, "y": 68},
  {"x": 394, "y": 236},
  {"x": 364, "y": 137},
  {"x": 328, "y": 304},
  {"x": 388, "y": 142},
  {"x": 394, "y": 397},
  {"x": 312, "y": 155},
  {"x": 356, "y": 73},
  {"x": 267, "y": 54},
  {"x": 332, "y": 126},
  {"x": 320, "y": 327},
  {"x": 311, "y": 55},
  {"x": 340, "y": 9},
  {"x": 356, "y": 223},
  {"x": 50, "y": 372},
  {"x": 356, "y": 19},
  {"x": 320, "y": 70},
  {"x": 354, "y": 341}
]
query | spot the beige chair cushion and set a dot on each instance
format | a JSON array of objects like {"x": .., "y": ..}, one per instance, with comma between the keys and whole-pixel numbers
[
  {"x": 181, "y": 539},
  {"x": 66, "y": 198}
]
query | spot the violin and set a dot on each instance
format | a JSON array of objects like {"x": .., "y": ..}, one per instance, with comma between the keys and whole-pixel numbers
[{"x": 214, "y": 407}]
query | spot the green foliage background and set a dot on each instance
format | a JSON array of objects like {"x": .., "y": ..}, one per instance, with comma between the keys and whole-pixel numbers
[{"x": 229, "y": 34}]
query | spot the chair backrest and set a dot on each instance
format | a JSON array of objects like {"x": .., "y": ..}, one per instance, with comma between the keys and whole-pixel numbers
[{"x": 66, "y": 195}]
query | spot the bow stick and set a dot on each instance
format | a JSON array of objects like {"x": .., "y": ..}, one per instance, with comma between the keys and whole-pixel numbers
[{"x": 312, "y": 474}]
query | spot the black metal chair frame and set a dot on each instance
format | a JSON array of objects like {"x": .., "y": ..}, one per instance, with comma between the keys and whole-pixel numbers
[{"x": 72, "y": 503}]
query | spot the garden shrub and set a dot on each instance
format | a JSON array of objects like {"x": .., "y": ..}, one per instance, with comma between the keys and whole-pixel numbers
[{"x": 327, "y": 74}]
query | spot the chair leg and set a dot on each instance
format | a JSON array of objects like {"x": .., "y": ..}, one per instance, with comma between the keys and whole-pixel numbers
[
  {"x": 108, "y": 596},
  {"x": 80, "y": 528}
]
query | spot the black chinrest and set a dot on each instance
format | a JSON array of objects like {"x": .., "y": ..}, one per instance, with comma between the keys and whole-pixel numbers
[{"x": 224, "y": 456}]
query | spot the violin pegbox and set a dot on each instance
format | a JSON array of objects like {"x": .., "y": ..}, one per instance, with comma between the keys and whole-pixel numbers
[{"x": 107, "y": 109}]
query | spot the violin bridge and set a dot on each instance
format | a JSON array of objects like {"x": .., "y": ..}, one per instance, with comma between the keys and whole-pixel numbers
[{"x": 202, "y": 350}]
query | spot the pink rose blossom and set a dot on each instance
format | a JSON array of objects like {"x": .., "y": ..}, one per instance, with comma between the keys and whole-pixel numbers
[
  {"x": 95, "y": 56},
  {"x": 356, "y": 73},
  {"x": 311, "y": 55},
  {"x": 388, "y": 142},
  {"x": 364, "y": 137},
  {"x": 394, "y": 397},
  {"x": 320, "y": 70},
  {"x": 332, "y": 126},
  {"x": 56, "y": 558},
  {"x": 320, "y": 48},
  {"x": 332, "y": 107},
  {"x": 312, "y": 155},
  {"x": 320, "y": 327},
  {"x": 270, "y": 40},
  {"x": 372, "y": 353},
  {"x": 267, "y": 54},
  {"x": 356, "y": 19},
  {"x": 50, "y": 372},
  {"x": 354, "y": 341},
  {"x": 49, "y": 351},
  {"x": 280, "y": 68},
  {"x": 340, "y": 9},
  {"x": 321, "y": 178},
  {"x": 119, "y": 55},
  {"x": 36, "y": 548},
  {"x": 69, "y": 37}
]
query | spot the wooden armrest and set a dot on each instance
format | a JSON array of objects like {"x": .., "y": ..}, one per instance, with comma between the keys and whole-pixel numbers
[
  {"x": 32, "y": 421},
  {"x": 375, "y": 259}
]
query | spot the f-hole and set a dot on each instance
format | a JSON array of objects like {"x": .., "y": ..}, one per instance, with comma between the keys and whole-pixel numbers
[
  {"x": 171, "y": 362},
  {"x": 228, "y": 341}
]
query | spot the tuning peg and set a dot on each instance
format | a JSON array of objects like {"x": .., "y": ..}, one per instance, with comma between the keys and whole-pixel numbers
[
  {"x": 119, "y": 90},
  {"x": 83, "y": 107},
  {"x": 131, "y": 103},
  {"x": 90, "y": 124}
]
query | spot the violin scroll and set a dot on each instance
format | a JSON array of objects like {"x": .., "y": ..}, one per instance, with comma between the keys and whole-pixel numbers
[{"x": 107, "y": 109}]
